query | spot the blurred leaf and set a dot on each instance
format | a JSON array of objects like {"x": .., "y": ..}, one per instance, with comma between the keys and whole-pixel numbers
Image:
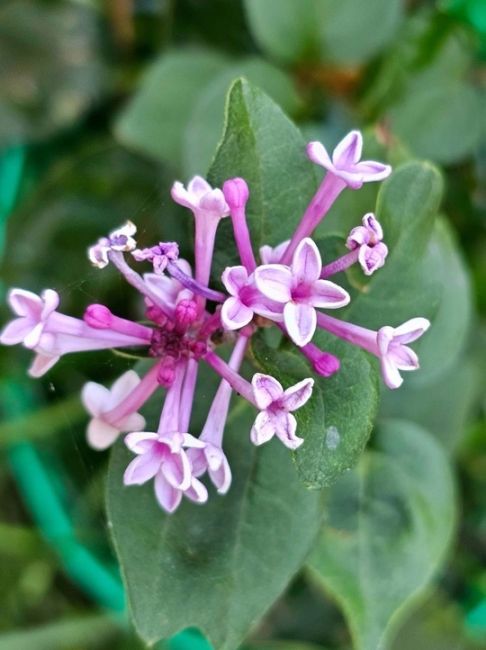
[
  {"x": 440, "y": 122},
  {"x": 42, "y": 423},
  {"x": 442, "y": 405},
  {"x": 443, "y": 264},
  {"x": 324, "y": 29},
  {"x": 207, "y": 118},
  {"x": 51, "y": 72},
  {"x": 389, "y": 524},
  {"x": 155, "y": 119},
  {"x": 94, "y": 630},
  {"x": 263, "y": 146},
  {"x": 217, "y": 567},
  {"x": 281, "y": 645},
  {"x": 337, "y": 421},
  {"x": 435, "y": 625}
]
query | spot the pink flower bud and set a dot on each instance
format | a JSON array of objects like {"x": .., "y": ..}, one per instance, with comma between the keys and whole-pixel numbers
[
  {"x": 236, "y": 192},
  {"x": 98, "y": 316}
]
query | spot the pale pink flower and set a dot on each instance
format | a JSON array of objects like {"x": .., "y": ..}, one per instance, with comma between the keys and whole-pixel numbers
[
  {"x": 345, "y": 162},
  {"x": 300, "y": 288},
  {"x": 99, "y": 401},
  {"x": 201, "y": 198},
  {"x": 393, "y": 352},
  {"x": 368, "y": 238},
  {"x": 276, "y": 407},
  {"x": 120, "y": 240},
  {"x": 245, "y": 300},
  {"x": 163, "y": 458},
  {"x": 33, "y": 312}
]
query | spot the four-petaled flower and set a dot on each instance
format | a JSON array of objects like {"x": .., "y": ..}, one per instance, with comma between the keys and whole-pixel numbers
[
  {"x": 276, "y": 406},
  {"x": 301, "y": 290},
  {"x": 368, "y": 238},
  {"x": 102, "y": 431},
  {"x": 32, "y": 311},
  {"x": 211, "y": 459},
  {"x": 201, "y": 198},
  {"x": 159, "y": 255},
  {"x": 345, "y": 162},
  {"x": 245, "y": 300},
  {"x": 393, "y": 352},
  {"x": 163, "y": 457}
]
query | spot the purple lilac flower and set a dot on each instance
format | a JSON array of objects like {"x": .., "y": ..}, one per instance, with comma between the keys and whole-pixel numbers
[
  {"x": 184, "y": 328},
  {"x": 245, "y": 300},
  {"x": 301, "y": 290},
  {"x": 103, "y": 403},
  {"x": 276, "y": 407},
  {"x": 367, "y": 239}
]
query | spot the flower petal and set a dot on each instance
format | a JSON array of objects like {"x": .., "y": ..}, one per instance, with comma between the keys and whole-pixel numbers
[
  {"x": 198, "y": 187},
  {"x": 101, "y": 435},
  {"x": 181, "y": 196},
  {"x": 41, "y": 364},
  {"x": 371, "y": 258},
  {"x": 221, "y": 476},
  {"x": 198, "y": 460},
  {"x": 348, "y": 151},
  {"x": 234, "y": 279},
  {"x": 197, "y": 492},
  {"x": 371, "y": 223},
  {"x": 16, "y": 331},
  {"x": 266, "y": 389},
  {"x": 269, "y": 255},
  {"x": 141, "y": 441},
  {"x": 192, "y": 442},
  {"x": 296, "y": 396},
  {"x": 214, "y": 204},
  {"x": 132, "y": 422},
  {"x": 177, "y": 470},
  {"x": 33, "y": 337},
  {"x": 390, "y": 373},
  {"x": 50, "y": 298},
  {"x": 168, "y": 496},
  {"x": 165, "y": 288},
  {"x": 274, "y": 281},
  {"x": 234, "y": 314},
  {"x": 370, "y": 171},
  {"x": 306, "y": 262},
  {"x": 122, "y": 387},
  {"x": 25, "y": 303},
  {"x": 411, "y": 330},
  {"x": 327, "y": 294},
  {"x": 403, "y": 357},
  {"x": 318, "y": 154},
  {"x": 300, "y": 320},
  {"x": 263, "y": 428},
  {"x": 142, "y": 469},
  {"x": 94, "y": 398},
  {"x": 285, "y": 430}
]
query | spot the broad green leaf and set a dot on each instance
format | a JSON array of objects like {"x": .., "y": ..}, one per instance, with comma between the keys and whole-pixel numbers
[
  {"x": 389, "y": 524},
  {"x": 337, "y": 421},
  {"x": 52, "y": 70},
  {"x": 440, "y": 122},
  {"x": 406, "y": 207},
  {"x": 324, "y": 29},
  {"x": 155, "y": 119},
  {"x": 444, "y": 266},
  {"x": 443, "y": 405},
  {"x": 216, "y": 567},
  {"x": 207, "y": 118},
  {"x": 263, "y": 146}
]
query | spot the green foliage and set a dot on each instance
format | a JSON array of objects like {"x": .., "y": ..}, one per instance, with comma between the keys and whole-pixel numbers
[
  {"x": 323, "y": 29},
  {"x": 217, "y": 567},
  {"x": 389, "y": 524}
]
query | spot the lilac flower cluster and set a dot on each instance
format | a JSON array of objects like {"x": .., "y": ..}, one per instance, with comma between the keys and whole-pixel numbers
[{"x": 187, "y": 317}]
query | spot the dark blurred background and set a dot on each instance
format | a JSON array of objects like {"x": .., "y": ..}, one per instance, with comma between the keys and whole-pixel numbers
[{"x": 102, "y": 105}]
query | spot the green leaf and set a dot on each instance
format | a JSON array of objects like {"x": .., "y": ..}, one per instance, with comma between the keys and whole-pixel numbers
[
  {"x": 443, "y": 405},
  {"x": 440, "y": 122},
  {"x": 389, "y": 524},
  {"x": 207, "y": 117},
  {"x": 406, "y": 207},
  {"x": 337, "y": 421},
  {"x": 264, "y": 147},
  {"x": 324, "y": 29},
  {"x": 155, "y": 119},
  {"x": 52, "y": 71},
  {"x": 220, "y": 566}
]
